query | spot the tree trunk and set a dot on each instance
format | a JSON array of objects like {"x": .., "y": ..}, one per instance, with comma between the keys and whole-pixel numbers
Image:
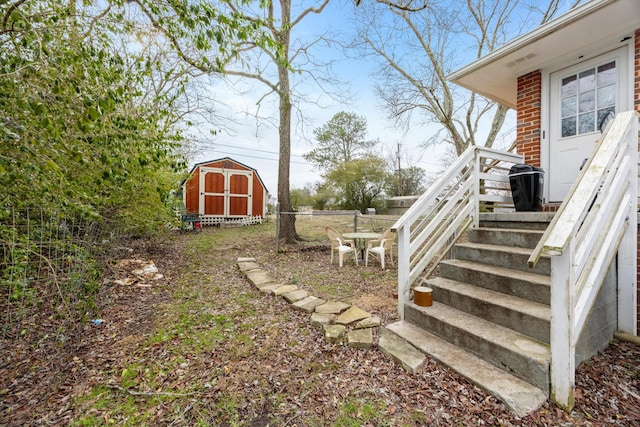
[{"x": 287, "y": 222}]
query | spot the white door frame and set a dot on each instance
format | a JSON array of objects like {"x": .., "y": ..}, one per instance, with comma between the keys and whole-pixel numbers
[
  {"x": 227, "y": 174},
  {"x": 624, "y": 104}
]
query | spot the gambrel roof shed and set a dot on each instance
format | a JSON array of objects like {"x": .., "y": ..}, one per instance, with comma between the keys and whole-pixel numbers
[{"x": 224, "y": 188}]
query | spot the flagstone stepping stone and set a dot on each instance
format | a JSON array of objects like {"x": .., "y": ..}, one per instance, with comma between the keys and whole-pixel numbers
[
  {"x": 321, "y": 319},
  {"x": 332, "y": 307},
  {"x": 248, "y": 266},
  {"x": 352, "y": 315},
  {"x": 308, "y": 304},
  {"x": 333, "y": 333},
  {"x": 295, "y": 296},
  {"x": 284, "y": 289},
  {"x": 360, "y": 338},
  {"x": 332, "y": 316},
  {"x": 259, "y": 277},
  {"x": 369, "y": 322},
  {"x": 269, "y": 287}
]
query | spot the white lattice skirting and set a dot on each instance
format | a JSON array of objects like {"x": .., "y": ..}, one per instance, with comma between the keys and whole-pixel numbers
[{"x": 216, "y": 220}]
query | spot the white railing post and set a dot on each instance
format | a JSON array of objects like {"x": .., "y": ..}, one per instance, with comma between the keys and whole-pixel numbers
[
  {"x": 475, "y": 197},
  {"x": 562, "y": 343},
  {"x": 404, "y": 285},
  {"x": 627, "y": 252}
]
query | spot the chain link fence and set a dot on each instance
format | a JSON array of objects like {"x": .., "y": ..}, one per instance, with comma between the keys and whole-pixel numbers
[{"x": 310, "y": 225}]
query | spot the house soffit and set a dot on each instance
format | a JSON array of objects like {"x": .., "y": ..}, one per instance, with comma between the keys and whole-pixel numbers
[{"x": 592, "y": 27}]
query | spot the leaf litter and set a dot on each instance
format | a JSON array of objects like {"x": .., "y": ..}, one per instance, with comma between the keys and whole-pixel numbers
[{"x": 199, "y": 344}]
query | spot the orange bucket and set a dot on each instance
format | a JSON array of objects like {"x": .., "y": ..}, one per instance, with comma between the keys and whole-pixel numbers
[{"x": 423, "y": 296}]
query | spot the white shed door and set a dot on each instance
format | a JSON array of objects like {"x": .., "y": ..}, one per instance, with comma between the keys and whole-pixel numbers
[
  {"x": 581, "y": 97},
  {"x": 225, "y": 192}
]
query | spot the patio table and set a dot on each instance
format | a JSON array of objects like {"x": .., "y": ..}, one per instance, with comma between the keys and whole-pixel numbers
[{"x": 361, "y": 238}]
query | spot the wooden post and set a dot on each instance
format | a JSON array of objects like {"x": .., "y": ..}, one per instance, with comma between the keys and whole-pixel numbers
[
  {"x": 627, "y": 252},
  {"x": 403, "y": 269},
  {"x": 277, "y": 228},
  {"x": 562, "y": 342},
  {"x": 475, "y": 197}
]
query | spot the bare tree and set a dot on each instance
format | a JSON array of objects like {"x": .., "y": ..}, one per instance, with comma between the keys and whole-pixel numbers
[
  {"x": 295, "y": 59},
  {"x": 266, "y": 53},
  {"x": 416, "y": 49}
]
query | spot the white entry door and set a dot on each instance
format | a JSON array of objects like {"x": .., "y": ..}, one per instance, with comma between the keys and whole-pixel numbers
[{"x": 581, "y": 97}]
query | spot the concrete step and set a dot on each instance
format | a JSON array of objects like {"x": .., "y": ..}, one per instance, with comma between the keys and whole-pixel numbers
[
  {"x": 520, "y": 355},
  {"x": 501, "y": 256},
  {"x": 527, "y": 317},
  {"x": 505, "y": 236},
  {"x": 520, "y": 396},
  {"x": 403, "y": 353},
  {"x": 519, "y": 220},
  {"x": 521, "y": 284}
]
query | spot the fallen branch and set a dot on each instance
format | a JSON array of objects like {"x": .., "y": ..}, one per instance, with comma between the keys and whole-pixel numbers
[
  {"x": 626, "y": 389},
  {"x": 291, "y": 419},
  {"x": 150, "y": 393}
]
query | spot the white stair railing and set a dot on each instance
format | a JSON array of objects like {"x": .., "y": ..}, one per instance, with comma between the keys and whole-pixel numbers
[
  {"x": 596, "y": 222},
  {"x": 431, "y": 226}
]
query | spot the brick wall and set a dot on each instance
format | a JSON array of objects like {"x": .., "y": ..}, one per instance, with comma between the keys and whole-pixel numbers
[
  {"x": 636, "y": 103},
  {"x": 636, "y": 87},
  {"x": 529, "y": 114}
]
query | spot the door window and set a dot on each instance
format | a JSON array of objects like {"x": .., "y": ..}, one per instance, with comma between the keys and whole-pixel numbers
[{"x": 587, "y": 98}]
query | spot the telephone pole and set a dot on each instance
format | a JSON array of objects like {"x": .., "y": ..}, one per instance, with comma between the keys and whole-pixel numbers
[{"x": 399, "y": 172}]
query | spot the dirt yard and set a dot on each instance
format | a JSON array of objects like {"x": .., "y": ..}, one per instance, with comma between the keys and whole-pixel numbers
[{"x": 201, "y": 346}]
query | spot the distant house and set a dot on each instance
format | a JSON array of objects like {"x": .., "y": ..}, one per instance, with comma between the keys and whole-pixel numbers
[
  {"x": 224, "y": 189},
  {"x": 399, "y": 204}
]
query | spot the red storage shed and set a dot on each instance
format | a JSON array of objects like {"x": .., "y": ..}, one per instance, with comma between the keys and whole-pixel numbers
[{"x": 224, "y": 189}]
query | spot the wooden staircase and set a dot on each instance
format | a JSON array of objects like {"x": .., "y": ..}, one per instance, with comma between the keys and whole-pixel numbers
[{"x": 490, "y": 319}]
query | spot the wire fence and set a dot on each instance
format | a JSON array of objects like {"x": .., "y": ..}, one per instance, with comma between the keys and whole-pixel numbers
[
  {"x": 311, "y": 225},
  {"x": 49, "y": 266}
]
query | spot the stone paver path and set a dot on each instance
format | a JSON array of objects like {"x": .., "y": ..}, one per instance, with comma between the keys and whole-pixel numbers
[{"x": 334, "y": 317}]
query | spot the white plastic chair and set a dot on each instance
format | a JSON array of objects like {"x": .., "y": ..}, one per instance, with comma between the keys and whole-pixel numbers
[
  {"x": 381, "y": 247},
  {"x": 340, "y": 245}
]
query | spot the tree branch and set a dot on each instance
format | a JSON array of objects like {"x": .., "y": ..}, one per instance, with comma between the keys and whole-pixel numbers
[{"x": 8, "y": 14}]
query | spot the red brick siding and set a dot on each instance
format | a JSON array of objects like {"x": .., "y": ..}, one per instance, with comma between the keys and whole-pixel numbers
[
  {"x": 636, "y": 87},
  {"x": 529, "y": 115},
  {"x": 550, "y": 207},
  {"x": 636, "y": 103}
]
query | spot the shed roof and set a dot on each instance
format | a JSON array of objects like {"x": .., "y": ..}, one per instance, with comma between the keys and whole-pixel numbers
[
  {"x": 197, "y": 165},
  {"x": 591, "y": 27}
]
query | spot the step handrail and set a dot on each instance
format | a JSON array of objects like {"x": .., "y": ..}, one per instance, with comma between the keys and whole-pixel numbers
[
  {"x": 596, "y": 222},
  {"x": 427, "y": 231}
]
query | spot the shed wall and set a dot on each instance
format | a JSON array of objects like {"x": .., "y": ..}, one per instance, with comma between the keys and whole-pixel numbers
[{"x": 215, "y": 183}]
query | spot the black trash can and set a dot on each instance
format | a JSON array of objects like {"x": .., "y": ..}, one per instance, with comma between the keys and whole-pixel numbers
[{"x": 526, "y": 187}]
